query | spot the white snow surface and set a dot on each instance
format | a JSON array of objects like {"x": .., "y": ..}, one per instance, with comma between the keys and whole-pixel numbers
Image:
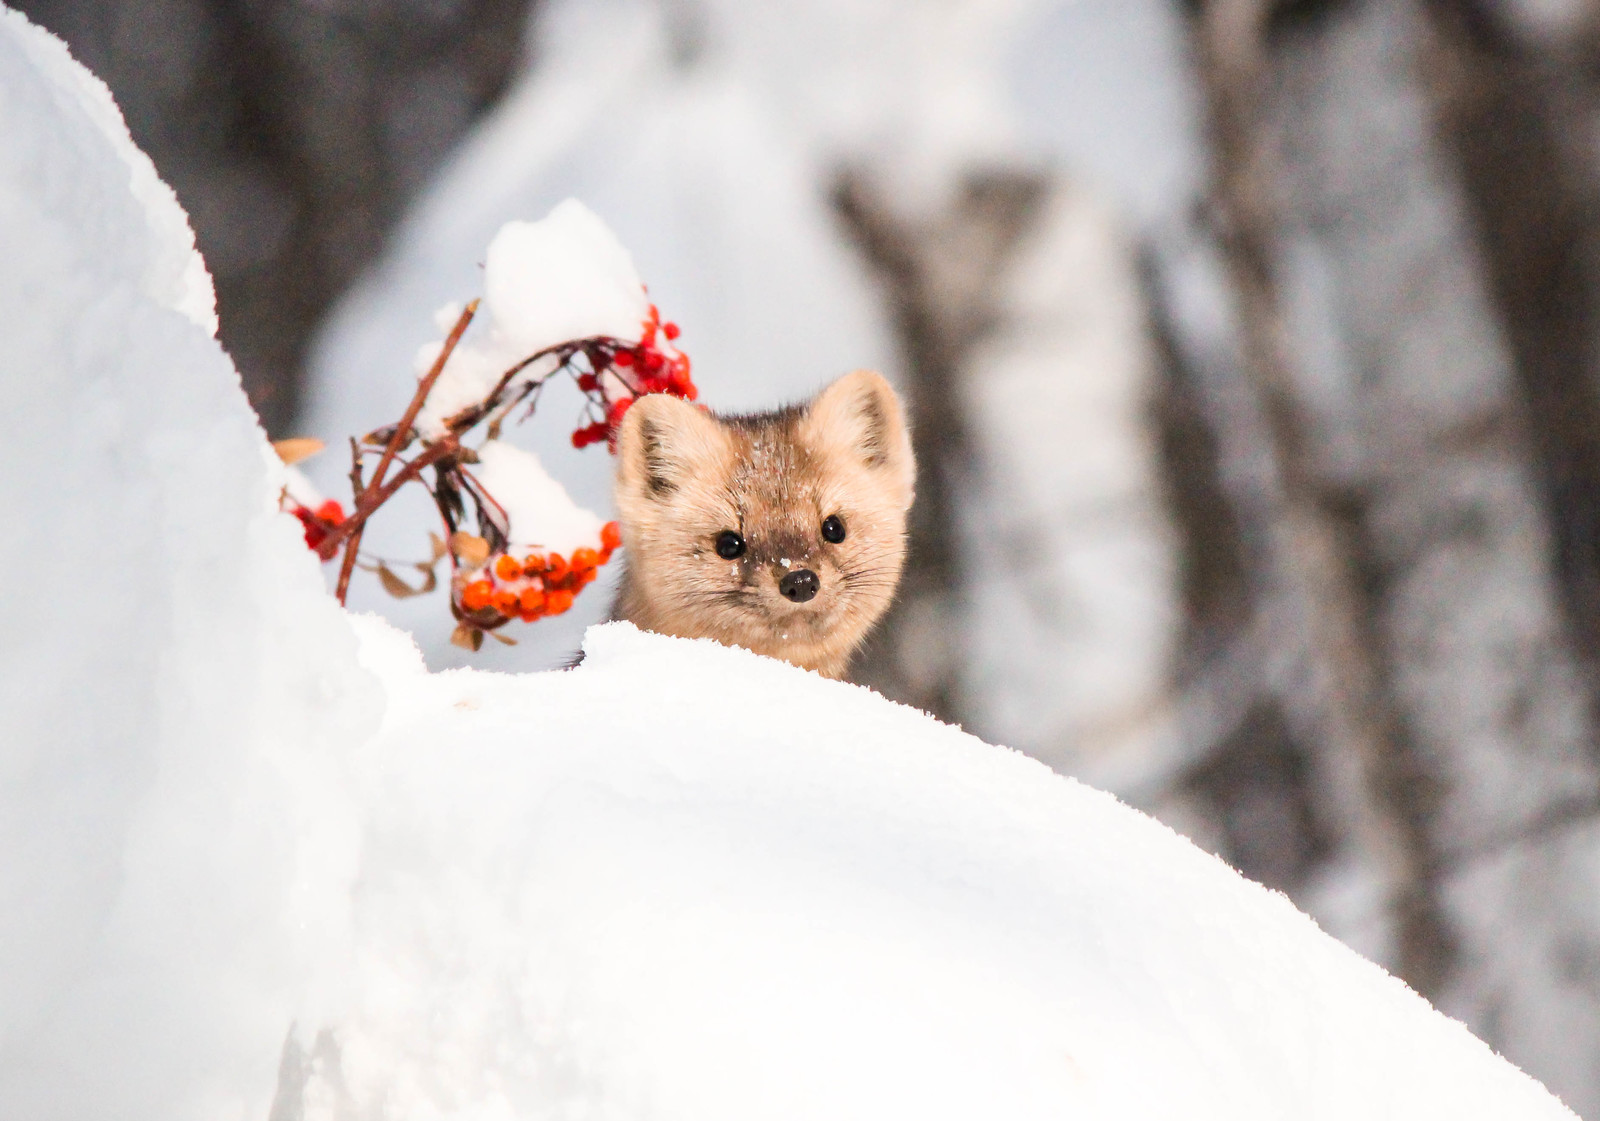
[
  {"x": 751, "y": 892},
  {"x": 678, "y": 881}
]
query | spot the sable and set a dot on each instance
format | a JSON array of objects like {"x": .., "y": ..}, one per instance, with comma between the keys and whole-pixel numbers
[{"x": 782, "y": 532}]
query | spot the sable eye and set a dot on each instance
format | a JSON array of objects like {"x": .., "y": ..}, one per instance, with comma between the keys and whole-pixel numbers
[
  {"x": 730, "y": 546},
  {"x": 832, "y": 529}
]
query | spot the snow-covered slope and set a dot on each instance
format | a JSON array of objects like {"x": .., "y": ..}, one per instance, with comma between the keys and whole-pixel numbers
[
  {"x": 176, "y": 687},
  {"x": 680, "y": 881},
  {"x": 684, "y": 881}
]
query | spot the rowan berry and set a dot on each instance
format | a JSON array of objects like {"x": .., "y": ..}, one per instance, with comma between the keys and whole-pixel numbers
[
  {"x": 611, "y": 535},
  {"x": 507, "y": 568},
  {"x": 557, "y": 602},
  {"x": 476, "y": 595}
]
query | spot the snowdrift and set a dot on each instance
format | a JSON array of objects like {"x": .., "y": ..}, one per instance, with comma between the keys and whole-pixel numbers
[{"x": 255, "y": 861}]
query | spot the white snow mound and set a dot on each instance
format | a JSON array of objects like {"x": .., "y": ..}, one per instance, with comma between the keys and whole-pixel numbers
[
  {"x": 683, "y": 881},
  {"x": 680, "y": 881}
]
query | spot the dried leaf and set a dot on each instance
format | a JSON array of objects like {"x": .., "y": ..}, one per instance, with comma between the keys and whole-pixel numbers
[
  {"x": 430, "y": 578},
  {"x": 469, "y": 549},
  {"x": 503, "y": 639},
  {"x": 396, "y": 586},
  {"x": 468, "y": 455},
  {"x": 380, "y": 437},
  {"x": 439, "y": 547},
  {"x": 297, "y": 448},
  {"x": 468, "y": 638}
]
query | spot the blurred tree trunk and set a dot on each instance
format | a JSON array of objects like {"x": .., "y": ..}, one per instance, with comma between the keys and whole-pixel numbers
[
  {"x": 1320, "y": 549},
  {"x": 937, "y": 273},
  {"x": 294, "y": 134},
  {"x": 1426, "y": 385}
]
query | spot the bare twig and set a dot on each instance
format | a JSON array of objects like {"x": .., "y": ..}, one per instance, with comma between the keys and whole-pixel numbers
[{"x": 372, "y": 495}]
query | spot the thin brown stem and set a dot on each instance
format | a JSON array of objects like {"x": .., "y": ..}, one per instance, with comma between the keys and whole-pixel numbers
[
  {"x": 418, "y": 399},
  {"x": 357, "y": 487},
  {"x": 369, "y": 498}
]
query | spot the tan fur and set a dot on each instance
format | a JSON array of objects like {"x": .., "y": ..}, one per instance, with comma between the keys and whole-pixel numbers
[{"x": 684, "y": 476}]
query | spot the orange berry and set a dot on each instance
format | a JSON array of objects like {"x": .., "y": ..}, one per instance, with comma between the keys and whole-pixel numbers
[
  {"x": 587, "y": 576},
  {"x": 531, "y": 599},
  {"x": 532, "y": 564},
  {"x": 507, "y": 603},
  {"x": 506, "y": 568},
  {"x": 476, "y": 596},
  {"x": 557, "y": 602},
  {"x": 584, "y": 557},
  {"x": 611, "y": 536},
  {"x": 556, "y": 567},
  {"x": 331, "y": 512}
]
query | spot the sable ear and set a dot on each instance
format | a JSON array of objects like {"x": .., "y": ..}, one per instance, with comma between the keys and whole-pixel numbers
[
  {"x": 662, "y": 442},
  {"x": 859, "y": 417}
]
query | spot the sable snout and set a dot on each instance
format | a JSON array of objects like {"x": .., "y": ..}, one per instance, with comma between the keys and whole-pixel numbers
[{"x": 799, "y": 586}]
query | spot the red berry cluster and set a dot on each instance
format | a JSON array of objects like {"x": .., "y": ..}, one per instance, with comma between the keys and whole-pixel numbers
[
  {"x": 539, "y": 584},
  {"x": 319, "y": 522},
  {"x": 654, "y": 365}
]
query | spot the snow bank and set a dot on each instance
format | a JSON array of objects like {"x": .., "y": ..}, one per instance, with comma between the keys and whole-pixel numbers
[
  {"x": 680, "y": 881},
  {"x": 176, "y": 687},
  {"x": 745, "y": 891}
]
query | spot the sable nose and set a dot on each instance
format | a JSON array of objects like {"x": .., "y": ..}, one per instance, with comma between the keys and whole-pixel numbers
[{"x": 799, "y": 585}]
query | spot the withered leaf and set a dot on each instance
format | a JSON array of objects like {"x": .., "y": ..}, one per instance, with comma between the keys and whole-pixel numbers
[
  {"x": 430, "y": 578},
  {"x": 503, "y": 639},
  {"x": 439, "y": 547},
  {"x": 468, "y": 638},
  {"x": 469, "y": 549},
  {"x": 398, "y": 587},
  {"x": 380, "y": 437},
  {"x": 296, "y": 449}
]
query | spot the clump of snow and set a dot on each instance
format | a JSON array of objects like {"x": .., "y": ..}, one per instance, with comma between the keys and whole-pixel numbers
[
  {"x": 255, "y": 861},
  {"x": 541, "y": 513},
  {"x": 566, "y": 277},
  {"x": 562, "y": 278}
]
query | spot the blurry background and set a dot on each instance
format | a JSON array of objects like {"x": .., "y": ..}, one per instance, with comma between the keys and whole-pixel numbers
[{"x": 1253, "y": 349}]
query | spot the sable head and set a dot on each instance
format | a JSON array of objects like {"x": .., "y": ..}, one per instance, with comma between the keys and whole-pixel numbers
[{"x": 783, "y": 532}]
